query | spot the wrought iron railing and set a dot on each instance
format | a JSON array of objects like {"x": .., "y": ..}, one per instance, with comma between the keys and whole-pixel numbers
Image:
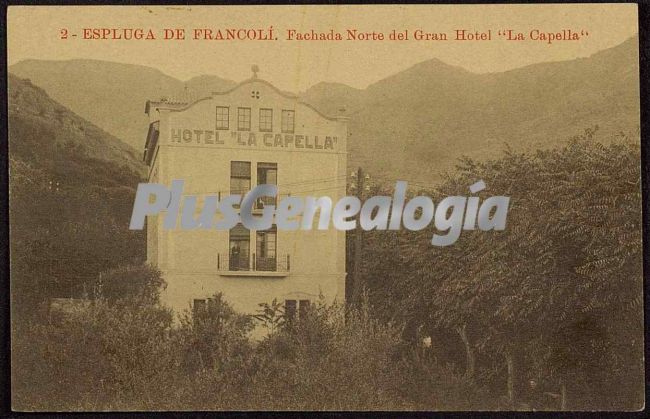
[
  {"x": 263, "y": 201},
  {"x": 260, "y": 202},
  {"x": 253, "y": 263},
  {"x": 238, "y": 262}
]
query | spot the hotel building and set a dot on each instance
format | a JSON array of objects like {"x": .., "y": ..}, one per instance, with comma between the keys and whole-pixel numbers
[{"x": 226, "y": 143}]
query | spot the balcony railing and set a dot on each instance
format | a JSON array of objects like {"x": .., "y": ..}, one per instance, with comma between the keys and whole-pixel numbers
[
  {"x": 253, "y": 263},
  {"x": 263, "y": 201},
  {"x": 260, "y": 202}
]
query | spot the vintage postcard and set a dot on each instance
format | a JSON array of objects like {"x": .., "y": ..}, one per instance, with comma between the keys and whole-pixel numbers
[{"x": 325, "y": 208}]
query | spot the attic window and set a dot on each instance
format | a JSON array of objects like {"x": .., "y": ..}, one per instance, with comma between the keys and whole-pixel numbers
[
  {"x": 244, "y": 119},
  {"x": 288, "y": 121},
  {"x": 266, "y": 120},
  {"x": 223, "y": 117}
]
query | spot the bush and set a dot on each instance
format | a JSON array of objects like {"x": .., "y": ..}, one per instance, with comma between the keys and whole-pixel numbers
[
  {"x": 122, "y": 356},
  {"x": 212, "y": 336},
  {"x": 98, "y": 357},
  {"x": 132, "y": 284},
  {"x": 331, "y": 359},
  {"x": 432, "y": 386}
]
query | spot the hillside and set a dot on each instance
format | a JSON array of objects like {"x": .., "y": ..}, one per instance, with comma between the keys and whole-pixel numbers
[
  {"x": 329, "y": 98},
  {"x": 112, "y": 95},
  {"x": 71, "y": 191},
  {"x": 38, "y": 123},
  {"x": 201, "y": 86},
  {"x": 422, "y": 119}
]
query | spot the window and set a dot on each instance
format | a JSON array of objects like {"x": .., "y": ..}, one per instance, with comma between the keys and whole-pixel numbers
[
  {"x": 240, "y": 177},
  {"x": 223, "y": 117},
  {"x": 244, "y": 119},
  {"x": 266, "y": 120},
  {"x": 198, "y": 306},
  {"x": 303, "y": 308},
  {"x": 288, "y": 121},
  {"x": 265, "y": 251},
  {"x": 239, "y": 248},
  {"x": 267, "y": 174},
  {"x": 211, "y": 304},
  {"x": 290, "y": 309}
]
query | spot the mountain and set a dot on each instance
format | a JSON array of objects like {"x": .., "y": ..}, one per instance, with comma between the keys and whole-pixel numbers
[
  {"x": 38, "y": 125},
  {"x": 329, "y": 98},
  {"x": 422, "y": 119},
  {"x": 112, "y": 95},
  {"x": 201, "y": 86},
  {"x": 412, "y": 125}
]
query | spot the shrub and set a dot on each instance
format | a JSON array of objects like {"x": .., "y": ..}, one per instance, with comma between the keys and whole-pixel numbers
[
  {"x": 212, "y": 336},
  {"x": 330, "y": 359},
  {"x": 138, "y": 284},
  {"x": 98, "y": 357}
]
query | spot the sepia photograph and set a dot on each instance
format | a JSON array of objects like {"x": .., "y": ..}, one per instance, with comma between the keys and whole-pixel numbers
[{"x": 325, "y": 208}]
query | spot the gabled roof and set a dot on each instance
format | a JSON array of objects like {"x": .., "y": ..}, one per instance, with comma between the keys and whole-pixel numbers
[{"x": 177, "y": 106}]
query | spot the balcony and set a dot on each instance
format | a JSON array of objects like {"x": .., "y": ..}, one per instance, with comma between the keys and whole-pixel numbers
[
  {"x": 260, "y": 202},
  {"x": 253, "y": 265},
  {"x": 263, "y": 201}
]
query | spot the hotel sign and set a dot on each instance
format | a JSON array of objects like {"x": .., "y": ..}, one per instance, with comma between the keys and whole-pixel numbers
[{"x": 252, "y": 139}]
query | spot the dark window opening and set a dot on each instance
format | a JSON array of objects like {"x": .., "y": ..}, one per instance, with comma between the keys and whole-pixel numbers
[
  {"x": 296, "y": 309},
  {"x": 198, "y": 306},
  {"x": 265, "y": 251},
  {"x": 267, "y": 174},
  {"x": 290, "y": 309},
  {"x": 239, "y": 248},
  {"x": 303, "y": 308}
]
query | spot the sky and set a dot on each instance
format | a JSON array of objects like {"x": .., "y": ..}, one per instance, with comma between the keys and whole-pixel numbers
[{"x": 34, "y": 32}]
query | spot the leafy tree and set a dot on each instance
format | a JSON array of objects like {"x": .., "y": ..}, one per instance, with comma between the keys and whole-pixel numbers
[{"x": 560, "y": 286}]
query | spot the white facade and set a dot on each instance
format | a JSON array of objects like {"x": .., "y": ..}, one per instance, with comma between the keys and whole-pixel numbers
[{"x": 227, "y": 143}]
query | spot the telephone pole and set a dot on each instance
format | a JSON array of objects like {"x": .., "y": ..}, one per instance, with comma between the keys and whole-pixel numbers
[{"x": 357, "y": 286}]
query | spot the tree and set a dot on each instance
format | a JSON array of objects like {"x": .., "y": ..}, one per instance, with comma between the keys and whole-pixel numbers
[{"x": 570, "y": 256}]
